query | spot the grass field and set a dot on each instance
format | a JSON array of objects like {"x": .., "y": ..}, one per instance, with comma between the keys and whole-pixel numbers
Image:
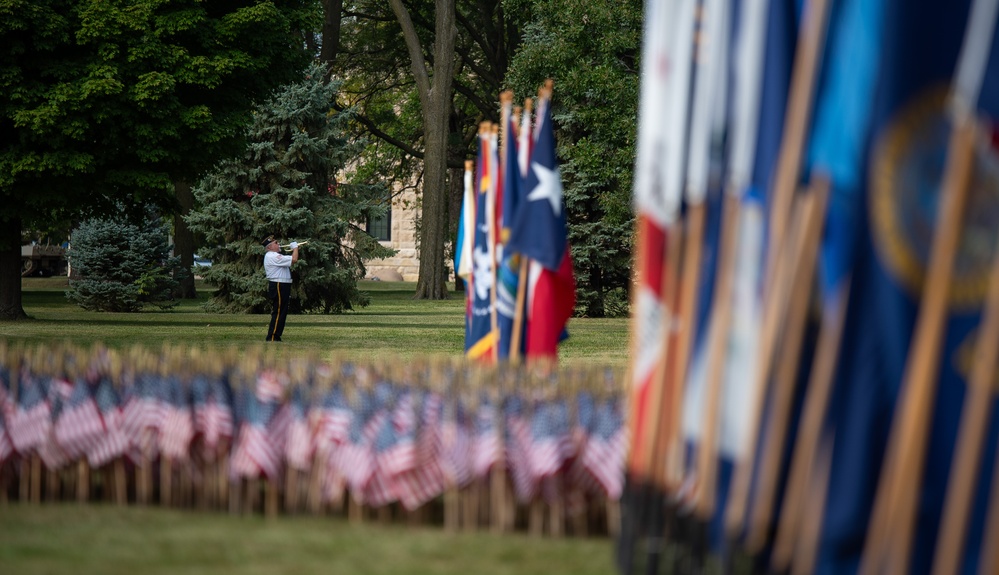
[
  {"x": 394, "y": 325},
  {"x": 103, "y": 539},
  {"x": 107, "y": 540}
]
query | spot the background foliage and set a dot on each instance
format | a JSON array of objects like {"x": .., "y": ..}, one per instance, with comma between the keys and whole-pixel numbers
[
  {"x": 122, "y": 266},
  {"x": 590, "y": 48}
]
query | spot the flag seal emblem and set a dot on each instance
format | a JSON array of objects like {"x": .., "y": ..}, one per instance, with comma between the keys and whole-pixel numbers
[{"x": 909, "y": 157}]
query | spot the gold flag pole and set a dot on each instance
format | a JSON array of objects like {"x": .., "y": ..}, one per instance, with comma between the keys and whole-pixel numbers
[
  {"x": 890, "y": 535},
  {"x": 971, "y": 437},
  {"x": 803, "y": 82},
  {"x": 785, "y": 378}
]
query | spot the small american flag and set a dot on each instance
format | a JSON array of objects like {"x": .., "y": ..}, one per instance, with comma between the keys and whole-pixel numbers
[
  {"x": 113, "y": 443},
  {"x": 144, "y": 411},
  {"x": 487, "y": 444},
  {"x": 52, "y": 454},
  {"x": 254, "y": 454},
  {"x": 6, "y": 447},
  {"x": 393, "y": 451},
  {"x": 518, "y": 449},
  {"x": 577, "y": 475},
  {"x": 219, "y": 423},
  {"x": 79, "y": 427},
  {"x": 605, "y": 451},
  {"x": 31, "y": 422},
  {"x": 456, "y": 437},
  {"x": 178, "y": 429},
  {"x": 424, "y": 480},
  {"x": 299, "y": 446},
  {"x": 355, "y": 459}
]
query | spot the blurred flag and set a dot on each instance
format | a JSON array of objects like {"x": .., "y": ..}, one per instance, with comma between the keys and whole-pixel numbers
[
  {"x": 79, "y": 427},
  {"x": 884, "y": 146},
  {"x": 508, "y": 276},
  {"x": 481, "y": 336},
  {"x": 113, "y": 443},
  {"x": 539, "y": 233}
]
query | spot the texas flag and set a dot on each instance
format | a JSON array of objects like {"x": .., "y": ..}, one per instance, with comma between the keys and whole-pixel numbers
[{"x": 539, "y": 233}]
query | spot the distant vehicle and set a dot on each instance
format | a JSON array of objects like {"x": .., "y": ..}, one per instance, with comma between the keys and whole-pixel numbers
[
  {"x": 200, "y": 262},
  {"x": 42, "y": 260}
]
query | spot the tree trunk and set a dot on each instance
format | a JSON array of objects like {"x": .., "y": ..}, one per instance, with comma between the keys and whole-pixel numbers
[
  {"x": 183, "y": 239},
  {"x": 332, "y": 12},
  {"x": 10, "y": 271},
  {"x": 435, "y": 100}
]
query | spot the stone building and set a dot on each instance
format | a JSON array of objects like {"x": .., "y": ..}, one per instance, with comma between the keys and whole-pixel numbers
[{"x": 397, "y": 230}]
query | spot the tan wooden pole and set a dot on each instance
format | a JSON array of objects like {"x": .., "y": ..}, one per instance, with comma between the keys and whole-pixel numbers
[
  {"x": 686, "y": 310},
  {"x": 718, "y": 332},
  {"x": 659, "y": 425},
  {"x": 518, "y": 314},
  {"x": 803, "y": 81},
  {"x": 974, "y": 424},
  {"x": 774, "y": 308},
  {"x": 889, "y": 541},
  {"x": 785, "y": 381},
  {"x": 817, "y": 489},
  {"x": 803, "y": 460}
]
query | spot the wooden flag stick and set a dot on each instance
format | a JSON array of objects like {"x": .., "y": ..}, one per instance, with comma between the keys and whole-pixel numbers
[
  {"x": 799, "y": 111},
  {"x": 686, "y": 310},
  {"x": 774, "y": 308},
  {"x": 786, "y": 375},
  {"x": 492, "y": 242},
  {"x": 974, "y": 424},
  {"x": 817, "y": 488},
  {"x": 82, "y": 480},
  {"x": 891, "y": 535},
  {"x": 658, "y": 424},
  {"x": 988, "y": 560},
  {"x": 518, "y": 312},
  {"x": 718, "y": 331},
  {"x": 793, "y": 510}
]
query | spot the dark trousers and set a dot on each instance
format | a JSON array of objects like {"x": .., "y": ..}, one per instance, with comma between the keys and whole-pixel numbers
[{"x": 280, "y": 295}]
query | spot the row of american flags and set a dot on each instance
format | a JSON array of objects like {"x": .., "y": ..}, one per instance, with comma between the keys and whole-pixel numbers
[
  {"x": 382, "y": 433},
  {"x": 816, "y": 302},
  {"x": 512, "y": 250}
]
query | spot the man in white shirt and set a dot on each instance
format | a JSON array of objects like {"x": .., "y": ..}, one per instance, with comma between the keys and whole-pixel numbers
[{"x": 277, "y": 267}]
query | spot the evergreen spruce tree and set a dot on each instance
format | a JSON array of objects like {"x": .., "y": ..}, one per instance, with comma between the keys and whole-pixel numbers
[
  {"x": 285, "y": 185},
  {"x": 122, "y": 266}
]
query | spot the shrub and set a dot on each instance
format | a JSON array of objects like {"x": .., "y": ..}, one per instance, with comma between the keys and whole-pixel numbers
[{"x": 122, "y": 266}]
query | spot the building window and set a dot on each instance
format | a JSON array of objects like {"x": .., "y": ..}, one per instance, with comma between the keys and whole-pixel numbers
[{"x": 381, "y": 228}]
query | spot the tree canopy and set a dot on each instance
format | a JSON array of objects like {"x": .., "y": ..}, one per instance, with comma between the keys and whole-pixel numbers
[{"x": 109, "y": 103}]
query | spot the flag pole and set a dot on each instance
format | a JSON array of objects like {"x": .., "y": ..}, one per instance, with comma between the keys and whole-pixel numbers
[
  {"x": 807, "y": 444},
  {"x": 721, "y": 313},
  {"x": 518, "y": 312},
  {"x": 977, "y": 406},
  {"x": 803, "y": 81},
  {"x": 890, "y": 536},
  {"x": 786, "y": 375},
  {"x": 492, "y": 238}
]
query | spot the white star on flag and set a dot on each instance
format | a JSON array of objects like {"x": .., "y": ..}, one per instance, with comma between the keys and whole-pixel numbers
[{"x": 549, "y": 187}]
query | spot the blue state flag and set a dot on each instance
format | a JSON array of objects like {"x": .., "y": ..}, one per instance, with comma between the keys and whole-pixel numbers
[
  {"x": 882, "y": 134},
  {"x": 539, "y": 232},
  {"x": 480, "y": 338},
  {"x": 508, "y": 276}
]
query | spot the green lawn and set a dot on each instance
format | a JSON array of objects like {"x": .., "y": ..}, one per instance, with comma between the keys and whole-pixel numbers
[
  {"x": 103, "y": 539},
  {"x": 107, "y": 540},
  {"x": 394, "y": 325}
]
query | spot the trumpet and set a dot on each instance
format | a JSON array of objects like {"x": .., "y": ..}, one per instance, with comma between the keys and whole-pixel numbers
[{"x": 288, "y": 245}]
